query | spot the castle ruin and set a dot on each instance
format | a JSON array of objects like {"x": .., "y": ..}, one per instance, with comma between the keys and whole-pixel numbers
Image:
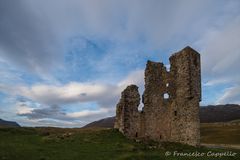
[{"x": 171, "y": 102}]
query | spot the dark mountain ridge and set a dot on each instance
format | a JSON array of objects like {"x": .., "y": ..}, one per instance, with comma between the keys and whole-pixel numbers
[
  {"x": 4, "y": 123},
  {"x": 208, "y": 114},
  {"x": 219, "y": 113}
]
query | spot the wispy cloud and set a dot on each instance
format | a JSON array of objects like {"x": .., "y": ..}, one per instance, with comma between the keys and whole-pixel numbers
[
  {"x": 217, "y": 81},
  {"x": 26, "y": 39},
  {"x": 35, "y": 33},
  {"x": 220, "y": 49},
  {"x": 48, "y": 101},
  {"x": 231, "y": 95}
]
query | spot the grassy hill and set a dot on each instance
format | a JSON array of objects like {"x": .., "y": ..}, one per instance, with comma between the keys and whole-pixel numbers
[{"x": 90, "y": 144}]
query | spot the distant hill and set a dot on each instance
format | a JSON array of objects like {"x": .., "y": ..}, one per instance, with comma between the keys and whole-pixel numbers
[
  {"x": 4, "y": 123},
  {"x": 219, "y": 113},
  {"x": 104, "y": 123},
  {"x": 208, "y": 114}
]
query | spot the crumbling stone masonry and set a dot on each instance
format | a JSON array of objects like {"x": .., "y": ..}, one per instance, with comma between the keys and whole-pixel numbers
[{"x": 171, "y": 102}]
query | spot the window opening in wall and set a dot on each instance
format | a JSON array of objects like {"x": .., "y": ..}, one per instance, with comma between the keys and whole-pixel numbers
[
  {"x": 166, "y": 96},
  {"x": 160, "y": 136},
  {"x": 175, "y": 113},
  {"x": 136, "y": 135},
  {"x": 168, "y": 67},
  {"x": 141, "y": 105}
]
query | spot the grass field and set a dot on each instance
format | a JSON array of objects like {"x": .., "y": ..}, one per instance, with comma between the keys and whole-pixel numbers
[
  {"x": 94, "y": 144},
  {"x": 220, "y": 133}
]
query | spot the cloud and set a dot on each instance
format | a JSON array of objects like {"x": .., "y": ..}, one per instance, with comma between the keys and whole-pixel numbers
[
  {"x": 26, "y": 38},
  {"x": 220, "y": 50},
  {"x": 135, "y": 77},
  {"x": 34, "y": 34},
  {"x": 23, "y": 109},
  {"x": 217, "y": 81},
  {"x": 47, "y": 101},
  {"x": 56, "y": 112},
  {"x": 55, "y": 115},
  {"x": 49, "y": 122},
  {"x": 231, "y": 95},
  {"x": 87, "y": 113},
  {"x": 73, "y": 92},
  {"x": 69, "y": 93},
  {"x": 9, "y": 75},
  {"x": 47, "y": 112}
]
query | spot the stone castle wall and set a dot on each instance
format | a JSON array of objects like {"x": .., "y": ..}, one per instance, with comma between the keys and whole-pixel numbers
[{"x": 171, "y": 102}]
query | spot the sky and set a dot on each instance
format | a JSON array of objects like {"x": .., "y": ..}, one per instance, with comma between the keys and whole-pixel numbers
[{"x": 64, "y": 63}]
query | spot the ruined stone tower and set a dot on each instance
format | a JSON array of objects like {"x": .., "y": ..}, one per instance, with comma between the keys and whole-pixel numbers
[{"x": 171, "y": 102}]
